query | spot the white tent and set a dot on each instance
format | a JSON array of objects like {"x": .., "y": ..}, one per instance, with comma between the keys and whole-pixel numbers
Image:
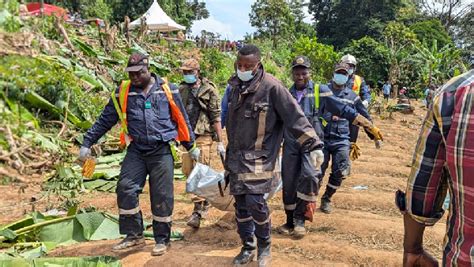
[{"x": 157, "y": 20}]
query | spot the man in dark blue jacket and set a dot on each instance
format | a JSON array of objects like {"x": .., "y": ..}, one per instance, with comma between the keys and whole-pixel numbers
[
  {"x": 300, "y": 179},
  {"x": 151, "y": 129},
  {"x": 337, "y": 134}
]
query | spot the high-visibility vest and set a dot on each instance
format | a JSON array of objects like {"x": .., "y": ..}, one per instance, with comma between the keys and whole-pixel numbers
[
  {"x": 176, "y": 115},
  {"x": 357, "y": 84},
  {"x": 316, "y": 103}
]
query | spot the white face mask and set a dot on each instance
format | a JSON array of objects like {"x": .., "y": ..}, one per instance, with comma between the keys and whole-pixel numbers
[{"x": 245, "y": 76}]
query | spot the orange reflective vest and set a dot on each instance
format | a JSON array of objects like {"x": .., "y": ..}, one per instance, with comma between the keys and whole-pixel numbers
[
  {"x": 121, "y": 108},
  {"x": 357, "y": 84}
]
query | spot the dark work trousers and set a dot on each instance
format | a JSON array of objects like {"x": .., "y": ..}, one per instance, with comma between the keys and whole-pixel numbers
[
  {"x": 253, "y": 216},
  {"x": 135, "y": 168},
  {"x": 338, "y": 153},
  {"x": 300, "y": 181}
]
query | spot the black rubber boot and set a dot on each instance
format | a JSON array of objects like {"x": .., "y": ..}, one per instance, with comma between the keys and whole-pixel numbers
[
  {"x": 247, "y": 253},
  {"x": 264, "y": 256}
]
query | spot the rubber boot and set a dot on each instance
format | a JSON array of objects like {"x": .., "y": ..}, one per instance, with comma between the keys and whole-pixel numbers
[
  {"x": 325, "y": 205},
  {"x": 326, "y": 200},
  {"x": 264, "y": 256},
  {"x": 200, "y": 211},
  {"x": 287, "y": 228},
  {"x": 195, "y": 220},
  {"x": 247, "y": 253},
  {"x": 299, "y": 230}
]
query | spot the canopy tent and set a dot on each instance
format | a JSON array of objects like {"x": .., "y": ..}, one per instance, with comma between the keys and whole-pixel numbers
[{"x": 157, "y": 20}]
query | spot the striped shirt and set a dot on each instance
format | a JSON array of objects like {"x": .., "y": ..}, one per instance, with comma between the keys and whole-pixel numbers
[{"x": 444, "y": 159}]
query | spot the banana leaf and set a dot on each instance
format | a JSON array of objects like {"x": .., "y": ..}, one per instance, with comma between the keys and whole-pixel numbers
[
  {"x": 39, "y": 102},
  {"x": 101, "y": 261},
  {"x": 85, "y": 48},
  {"x": 24, "y": 115}
]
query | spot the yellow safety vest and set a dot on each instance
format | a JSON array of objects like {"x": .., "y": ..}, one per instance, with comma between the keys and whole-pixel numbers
[{"x": 357, "y": 84}]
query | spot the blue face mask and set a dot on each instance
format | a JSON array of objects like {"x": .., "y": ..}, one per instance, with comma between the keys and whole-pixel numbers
[
  {"x": 350, "y": 71},
  {"x": 340, "y": 79},
  {"x": 189, "y": 78},
  {"x": 245, "y": 76}
]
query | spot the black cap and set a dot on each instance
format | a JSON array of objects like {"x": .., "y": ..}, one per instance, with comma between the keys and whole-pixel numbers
[
  {"x": 137, "y": 62},
  {"x": 301, "y": 61}
]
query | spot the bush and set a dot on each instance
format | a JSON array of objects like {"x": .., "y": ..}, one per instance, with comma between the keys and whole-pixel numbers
[{"x": 322, "y": 57}]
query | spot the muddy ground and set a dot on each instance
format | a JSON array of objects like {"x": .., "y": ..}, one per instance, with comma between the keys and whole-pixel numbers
[{"x": 365, "y": 228}]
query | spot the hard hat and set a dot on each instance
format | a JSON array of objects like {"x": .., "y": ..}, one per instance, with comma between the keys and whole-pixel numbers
[{"x": 349, "y": 59}]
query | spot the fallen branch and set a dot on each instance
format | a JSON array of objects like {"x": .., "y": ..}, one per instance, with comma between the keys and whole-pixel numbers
[
  {"x": 18, "y": 178},
  {"x": 16, "y": 151},
  {"x": 18, "y": 163},
  {"x": 37, "y": 165}
]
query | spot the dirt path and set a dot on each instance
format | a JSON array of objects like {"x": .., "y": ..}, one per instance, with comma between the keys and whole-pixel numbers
[{"x": 365, "y": 228}]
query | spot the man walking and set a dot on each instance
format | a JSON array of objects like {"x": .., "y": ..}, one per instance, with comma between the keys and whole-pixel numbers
[
  {"x": 152, "y": 117},
  {"x": 201, "y": 100},
  {"x": 387, "y": 88},
  {"x": 259, "y": 109},
  {"x": 337, "y": 135},
  {"x": 300, "y": 179},
  {"x": 443, "y": 158},
  {"x": 359, "y": 87}
]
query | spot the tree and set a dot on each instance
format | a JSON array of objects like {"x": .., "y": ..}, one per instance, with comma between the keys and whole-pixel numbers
[
  {"x": 339, "y": 22},
  {"x": 322, "y": 57},
  {"x": 372, "y": 58},
  {"x": 301, "y": 27},
  {"x": 428, "y": 31},
  {"x": 464, "y": 35},
  {"x": 398, "y": 39},
  {"x": 272, "y": 18},
  {"x": 96, "y": 9},
  {"x": 449, "y": 12},
  {"x": 438, "y": 65},
  {"x": 185, "y": 12}
]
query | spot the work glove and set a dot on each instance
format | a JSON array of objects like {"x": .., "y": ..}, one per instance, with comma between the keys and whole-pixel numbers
[
  {"x": 221, "y": 149},
  {"x": 355, "y": 152},
  {"x": 195, "y": 152},
  {"x": 373, "y": 132},
  {"x": 365, "y": 103},
  {"x": 317, "y": 156},
  {"x": 84, "y": 153}
]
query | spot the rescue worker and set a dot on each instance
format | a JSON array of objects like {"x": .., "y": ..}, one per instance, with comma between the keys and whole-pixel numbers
[
  {"x": 300, "y": 182},
  {"x": 201, "y": 100},
  {"x": 360, "y": 88},
  {"x": 259, "y": 107},
  {"x": 337, "y": 134},
  {"x": 152, "y": 117}
]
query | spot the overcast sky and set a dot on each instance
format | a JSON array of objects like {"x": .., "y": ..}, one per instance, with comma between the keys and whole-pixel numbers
[{"x": 229, "y": 18}]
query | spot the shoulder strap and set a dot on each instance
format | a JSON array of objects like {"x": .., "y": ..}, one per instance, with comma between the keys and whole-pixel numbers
[
  {"x": 123, "y": 99},
  {"x": 176, "y": 115}
]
